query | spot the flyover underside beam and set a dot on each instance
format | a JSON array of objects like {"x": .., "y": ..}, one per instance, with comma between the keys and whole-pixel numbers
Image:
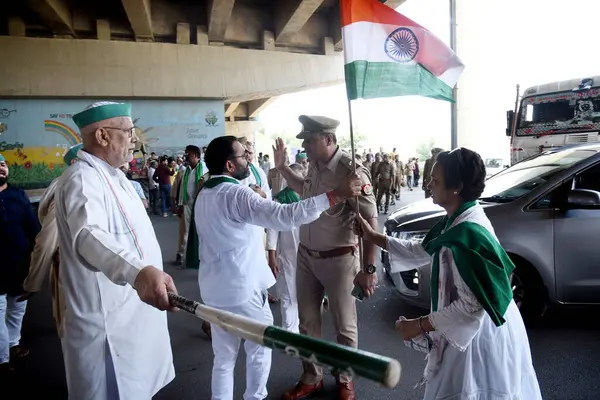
[
  {"x": 118, "y": 69},
  {"x": 55, "y": 13},
  {"x": 219, "y": 14},
  {"x": 291, "y": 16},
  {"x": 140, "y": 18}
]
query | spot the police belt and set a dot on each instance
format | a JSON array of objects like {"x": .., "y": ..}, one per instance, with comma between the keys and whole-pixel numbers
[{"x": 337, "y": 252}]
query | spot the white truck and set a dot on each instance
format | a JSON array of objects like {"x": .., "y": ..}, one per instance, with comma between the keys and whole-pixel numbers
[{"x": 554, "y": 115}]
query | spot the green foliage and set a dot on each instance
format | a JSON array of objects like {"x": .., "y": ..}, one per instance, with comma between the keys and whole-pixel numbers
[
  {"x": 33, "y": 175},
  {"x": 345, "y": 143},
  {"x": 424, "y": 149}
]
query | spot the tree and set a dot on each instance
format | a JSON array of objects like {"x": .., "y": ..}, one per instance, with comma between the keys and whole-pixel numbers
[
  {"x": 424, "y": 149},
  {"x": 345, "y": 144}
]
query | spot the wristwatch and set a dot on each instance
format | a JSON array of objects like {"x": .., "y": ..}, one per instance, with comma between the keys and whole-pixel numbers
[{"x": 371, "y": 268}]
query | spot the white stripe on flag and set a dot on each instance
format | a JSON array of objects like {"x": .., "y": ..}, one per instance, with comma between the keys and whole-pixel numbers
[{"x": 365, "y": 41}]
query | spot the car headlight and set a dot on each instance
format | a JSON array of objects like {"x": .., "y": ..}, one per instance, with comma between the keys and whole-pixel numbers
[{"x": 411, "y": 235}]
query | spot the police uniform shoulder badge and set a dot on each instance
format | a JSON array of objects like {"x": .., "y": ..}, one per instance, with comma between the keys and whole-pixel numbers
[{"x": 367, "y": 189}]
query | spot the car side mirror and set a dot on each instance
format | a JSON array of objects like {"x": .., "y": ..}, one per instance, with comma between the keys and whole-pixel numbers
[{"x": 583, "y": 198}]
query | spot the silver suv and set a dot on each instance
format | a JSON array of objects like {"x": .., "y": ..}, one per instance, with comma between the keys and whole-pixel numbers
[{"x": 546, "y": 213}]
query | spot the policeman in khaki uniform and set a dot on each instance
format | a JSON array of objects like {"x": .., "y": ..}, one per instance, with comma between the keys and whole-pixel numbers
[
  {"x": 328, "y": 256},
  {"x": 385, "y": 179},
  {"x": 399, "y": 174},
  {"x": 427, "y": 169}
]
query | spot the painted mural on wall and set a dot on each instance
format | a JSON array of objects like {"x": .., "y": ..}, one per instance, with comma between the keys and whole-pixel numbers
[{"x": 35, "y": 134}]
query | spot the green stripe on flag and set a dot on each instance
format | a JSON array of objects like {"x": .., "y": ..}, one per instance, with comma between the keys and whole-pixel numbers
[{"x": 370, "y": 80}]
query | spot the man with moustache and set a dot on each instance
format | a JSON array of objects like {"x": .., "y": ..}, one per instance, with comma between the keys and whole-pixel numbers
[
  {"x": 116, "y": 342},
  {"x": 234, "y": 275},
  {"x": 327, "y": 259},
  {"x": 257, "y": 179}
]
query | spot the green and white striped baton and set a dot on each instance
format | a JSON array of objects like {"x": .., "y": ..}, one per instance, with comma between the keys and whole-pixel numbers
[{"x": 342, "y": 359}]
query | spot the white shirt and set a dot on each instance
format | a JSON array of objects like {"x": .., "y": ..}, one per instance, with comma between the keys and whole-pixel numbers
[
  {"x": 266, "y": 166},
  {"x": 105, "y": 239},
  {"x": 138, "y": 189},
  {"x": 151, "y": 183},
  {"x": 251, "y": 180},
  {"x": 230, "y": 219}
]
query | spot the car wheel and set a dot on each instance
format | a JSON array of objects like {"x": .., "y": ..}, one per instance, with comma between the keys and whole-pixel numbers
[{"x": 528, "y": 293}]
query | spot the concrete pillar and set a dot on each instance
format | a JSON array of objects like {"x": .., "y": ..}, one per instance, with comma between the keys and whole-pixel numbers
[
  {"x": 183, "y": 33},
  {"x": 103, "y": 29},
  {"x": 328, "y": 47},
  {"x": 268, "y": 41},
  {"x": 201, "y": 35},
  {"x": 16, "y": 26}
]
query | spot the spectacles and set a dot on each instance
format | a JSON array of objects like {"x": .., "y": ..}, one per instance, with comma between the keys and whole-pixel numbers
[
  {"x": 246, "y": 154},
  {"x": 128, "y": 131}
]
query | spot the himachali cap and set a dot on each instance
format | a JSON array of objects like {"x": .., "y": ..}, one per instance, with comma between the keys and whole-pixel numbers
[
  {"x": 100, "y": 111},
  {"x": 301, "y": 156},
  {"x": 72, "y": 154},
  {"x": 2, "y": 158},
  {"x": 316, "y": 124}
]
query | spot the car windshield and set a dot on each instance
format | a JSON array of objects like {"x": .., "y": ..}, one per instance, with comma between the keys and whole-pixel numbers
[{"x": 527, "y": 175}]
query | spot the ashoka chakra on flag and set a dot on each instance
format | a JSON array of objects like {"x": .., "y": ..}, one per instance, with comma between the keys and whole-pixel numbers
[{"x": 402, "y": 45}]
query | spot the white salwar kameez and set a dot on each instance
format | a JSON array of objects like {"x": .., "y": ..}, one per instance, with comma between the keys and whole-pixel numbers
[
  {"x": 472, "y": 359},
  {"x": 114, "y": 345},
  {"x": 285, "y": 244}
]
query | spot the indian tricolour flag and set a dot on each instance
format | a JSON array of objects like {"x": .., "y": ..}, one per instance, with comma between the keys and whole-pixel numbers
[{"x": 387, "y": 54}]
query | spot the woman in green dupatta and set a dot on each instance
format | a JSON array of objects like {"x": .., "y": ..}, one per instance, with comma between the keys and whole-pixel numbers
[{"x": 476, "y": 343}]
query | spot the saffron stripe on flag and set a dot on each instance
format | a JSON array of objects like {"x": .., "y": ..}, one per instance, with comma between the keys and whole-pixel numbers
[{"x": 370, "y": 80}]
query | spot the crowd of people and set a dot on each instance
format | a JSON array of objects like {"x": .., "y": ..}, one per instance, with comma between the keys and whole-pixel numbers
[{"x": 247, "y": 229}]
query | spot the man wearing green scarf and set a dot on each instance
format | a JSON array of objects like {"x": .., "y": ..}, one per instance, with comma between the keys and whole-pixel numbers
[
  {"x": 257, "y": 178},
  {"x": 192, "y": 177}
]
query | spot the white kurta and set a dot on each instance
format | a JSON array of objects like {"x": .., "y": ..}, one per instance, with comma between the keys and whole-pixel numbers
[
  {"x": 285, "y": 244},
  {"x": 234, "y": 274},
  {"x": 251, "y": 180},
  {"x": 472, "y": 359},
  {"x": 112, "y": 339},
  {"x": 42, "y": 257}
]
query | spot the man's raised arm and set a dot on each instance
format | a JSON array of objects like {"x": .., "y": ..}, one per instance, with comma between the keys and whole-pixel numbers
[{"x": 294, "y": 181}]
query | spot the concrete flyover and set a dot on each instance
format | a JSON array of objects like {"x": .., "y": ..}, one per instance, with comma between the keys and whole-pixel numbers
[{"x": 244, "y": 52}]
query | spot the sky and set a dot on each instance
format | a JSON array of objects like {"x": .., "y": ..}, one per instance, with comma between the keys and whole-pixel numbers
[{"x": 510, "y": 42}]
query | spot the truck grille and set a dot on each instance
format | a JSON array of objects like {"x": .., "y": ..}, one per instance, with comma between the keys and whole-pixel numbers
[{"x": 578, "y": 138}]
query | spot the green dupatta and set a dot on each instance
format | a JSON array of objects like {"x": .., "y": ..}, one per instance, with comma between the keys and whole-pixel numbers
[
  {"x": 287, "y": 196},
  {"x": 481, "y": 261},
  {"x": 256, "y": 174},
  {"x": 186, "y": 175},
  {"x": 192, "y": 258}
]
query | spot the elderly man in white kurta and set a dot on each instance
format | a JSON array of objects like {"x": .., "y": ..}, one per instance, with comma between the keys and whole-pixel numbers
[
  {"x": 234, "y": 275},
  {"x": 256, "y": 176},
  {"x": 116, "y": 343}
]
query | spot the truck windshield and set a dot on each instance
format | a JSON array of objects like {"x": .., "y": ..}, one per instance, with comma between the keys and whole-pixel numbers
[
  {"x": 559, "y": 113},
  {"x": 527, "y": 175}
]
